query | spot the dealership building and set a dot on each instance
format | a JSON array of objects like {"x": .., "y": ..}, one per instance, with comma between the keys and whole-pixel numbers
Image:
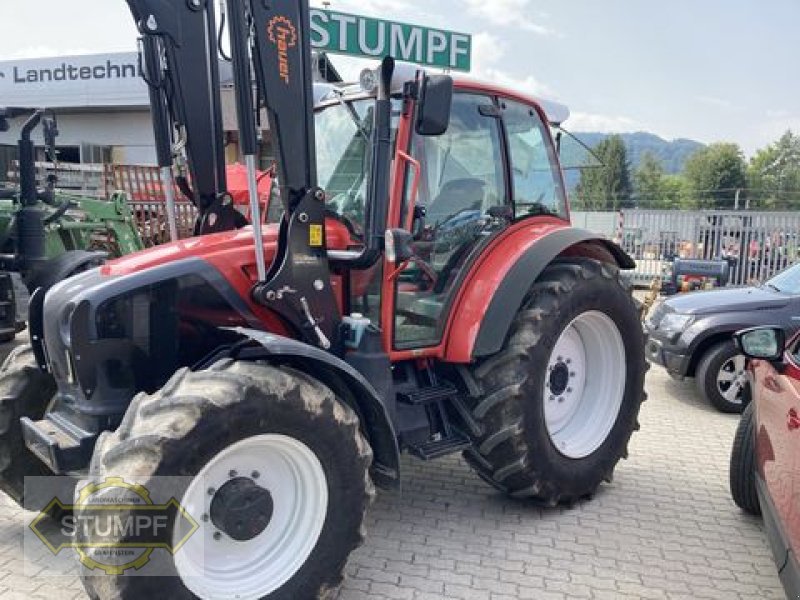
[{"x": 102, "y": 107}]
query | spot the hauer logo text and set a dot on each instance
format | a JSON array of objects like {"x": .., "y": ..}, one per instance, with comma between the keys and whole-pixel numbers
[
  {"x": 283, "y": 34},
  {"x": 71, "y": 72}
]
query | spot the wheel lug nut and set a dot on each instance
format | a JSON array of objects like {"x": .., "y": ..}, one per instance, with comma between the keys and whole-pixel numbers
[
  {"x": 217, "y": 536},
  {"x": 204, "y": 518},
  {"x": 211, "y": 491},
  {"x": 560, "y": 400},
  {"x": 552, "y": 398},
  {"x": 572, "y": 373},
  {"x": 233, "y": 474},
  {"x": 569, "y": 361},
  {"x": 569, "y": 390},
  {"x": 255, "y": 475}
]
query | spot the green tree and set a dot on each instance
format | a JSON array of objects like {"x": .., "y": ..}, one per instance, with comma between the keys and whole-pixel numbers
[
  {"x": 677, "y": 192},
  {"x": 715, "y": 173},
  {"x": 773, "y": 176},
  {"x": 648, "y": 183},
  {"x": 607, "y": 187}
]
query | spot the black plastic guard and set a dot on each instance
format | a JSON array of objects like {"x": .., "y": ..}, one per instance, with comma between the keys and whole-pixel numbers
[
  {"x": 63, "y": 266},
  {"x": 511, "y": 293},
  {"x": 347, "y": 383},
  {"x": 36, "y": 327}
]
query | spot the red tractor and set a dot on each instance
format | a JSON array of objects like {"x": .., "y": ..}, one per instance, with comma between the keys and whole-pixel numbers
[{"x": 423, "y": 293}]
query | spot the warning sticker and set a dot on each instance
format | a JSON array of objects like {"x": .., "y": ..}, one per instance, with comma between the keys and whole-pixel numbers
[{"x": 315, "y": 236}]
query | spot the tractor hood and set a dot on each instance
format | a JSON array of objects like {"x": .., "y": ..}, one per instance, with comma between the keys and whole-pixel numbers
[
  {"x": 728, "y": 300},
  {"x": 205, "y": 247},
  {"x": 134, "y": 319},
  {"x": 233, "y": 248}
]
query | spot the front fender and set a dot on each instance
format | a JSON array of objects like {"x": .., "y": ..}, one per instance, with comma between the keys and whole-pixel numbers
[{"x": 347, "y": 383}]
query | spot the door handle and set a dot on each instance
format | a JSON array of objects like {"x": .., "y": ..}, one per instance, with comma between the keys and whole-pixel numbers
[
  {"x": 793, "y": 420},
  {"x": 772, "y": 384}
]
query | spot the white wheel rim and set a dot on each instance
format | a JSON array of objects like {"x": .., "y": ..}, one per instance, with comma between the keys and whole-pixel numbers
[
  {"x": 225, "y": 568},
  {"x": 584, "y": 384},
  {"x": 732, "y": 378}
]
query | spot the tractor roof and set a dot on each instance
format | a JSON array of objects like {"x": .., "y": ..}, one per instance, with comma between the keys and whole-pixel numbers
[{"x": 556, "y": 112}]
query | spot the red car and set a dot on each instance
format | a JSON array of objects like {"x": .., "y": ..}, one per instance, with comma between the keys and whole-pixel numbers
[{"x": 765, "y": 462}]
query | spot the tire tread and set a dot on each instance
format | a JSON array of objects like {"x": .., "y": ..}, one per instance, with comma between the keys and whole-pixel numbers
[{"x": 501, "y": 455}]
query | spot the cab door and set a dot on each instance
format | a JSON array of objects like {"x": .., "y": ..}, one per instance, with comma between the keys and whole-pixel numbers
[
  {"x": 778, "y": 445},
  {"x": 464, "y": 197}
]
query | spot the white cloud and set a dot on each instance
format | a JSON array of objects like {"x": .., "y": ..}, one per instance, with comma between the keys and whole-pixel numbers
[
  {"x": 378, "y": 8},
  {"x": 509, "y": 13},
  {"x": 582, "y": 121},
  {"x": 778, "y": 113},
  {"x": 716, "y": 102},
  {"x": 769, "y": 130},
  {"x": 488, "y": 51},
  {"x": 526, "y": 85}
]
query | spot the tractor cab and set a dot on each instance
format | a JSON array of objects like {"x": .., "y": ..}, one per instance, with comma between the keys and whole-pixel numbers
[{"x": 492, "y": 164}]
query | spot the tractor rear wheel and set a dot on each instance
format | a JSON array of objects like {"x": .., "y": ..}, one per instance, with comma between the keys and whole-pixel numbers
[
  {"x": 277, "y": 478},
  {"x": 559, "y": 403},
  {"x": 25, "y": 391}
]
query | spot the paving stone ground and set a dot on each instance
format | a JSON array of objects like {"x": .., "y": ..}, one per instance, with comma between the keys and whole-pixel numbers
[{"x": 665, "y": 528}]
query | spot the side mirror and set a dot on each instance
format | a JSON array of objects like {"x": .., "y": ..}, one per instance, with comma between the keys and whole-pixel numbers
[
  {"x": 435, "y": 103},
  {"x": 762, "y": 343},
  {"x": 398, "y": 246}
]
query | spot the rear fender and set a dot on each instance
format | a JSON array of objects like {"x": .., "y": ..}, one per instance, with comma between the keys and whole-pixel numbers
[
  {"x": 498, "y": 304},
  {"x": 347, "y": 383}
]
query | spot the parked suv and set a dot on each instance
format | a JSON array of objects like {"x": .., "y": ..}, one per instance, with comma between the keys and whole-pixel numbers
[
  {"x": 691, "y": 335},
  {"x": 765, "y": 461}
]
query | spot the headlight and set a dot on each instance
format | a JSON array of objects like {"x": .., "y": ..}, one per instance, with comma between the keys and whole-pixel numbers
[{"x": 674, "y": 323}]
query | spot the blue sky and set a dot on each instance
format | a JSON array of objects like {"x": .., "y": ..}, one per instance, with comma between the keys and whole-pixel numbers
[{"x": 711, "y": 70}]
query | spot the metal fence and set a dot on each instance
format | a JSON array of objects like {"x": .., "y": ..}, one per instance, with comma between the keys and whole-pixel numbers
[{"x": 755, "y": 244}]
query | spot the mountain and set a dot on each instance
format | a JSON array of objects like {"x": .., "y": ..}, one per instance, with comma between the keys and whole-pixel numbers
[{"x": 672, "y": 154}]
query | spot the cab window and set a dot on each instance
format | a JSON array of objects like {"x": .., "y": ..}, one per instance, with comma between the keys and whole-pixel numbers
[{"x": 536, "y": 178}]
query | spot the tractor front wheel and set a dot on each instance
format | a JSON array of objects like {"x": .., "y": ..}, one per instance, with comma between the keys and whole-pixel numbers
[
  {"x": 277, "y": 477},
  {"x": 559, "y": 403},
  {"x": 25, "y": 391}
]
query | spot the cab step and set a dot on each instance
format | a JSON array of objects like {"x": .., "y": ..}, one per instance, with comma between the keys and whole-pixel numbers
[
  {"x": 438, "y": 448},
  {"x": 428, "y": 395}
]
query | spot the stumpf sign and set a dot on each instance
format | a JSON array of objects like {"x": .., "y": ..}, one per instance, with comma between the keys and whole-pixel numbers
[{"x": 343, "y": 33}]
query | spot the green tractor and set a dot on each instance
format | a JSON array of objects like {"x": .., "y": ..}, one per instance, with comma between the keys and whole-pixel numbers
[{"x": 47, "y": 235}]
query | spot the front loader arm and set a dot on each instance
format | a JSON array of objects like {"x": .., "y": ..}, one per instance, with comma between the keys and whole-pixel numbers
[
  {"x": 181, "y": 58},
  {"x": 283, "y": 67}
]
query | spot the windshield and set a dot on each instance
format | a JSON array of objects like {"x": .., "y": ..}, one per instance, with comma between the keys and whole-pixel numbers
[
  {"x": 787, "y": 282},
  {"x": 343, "y": 133}
]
